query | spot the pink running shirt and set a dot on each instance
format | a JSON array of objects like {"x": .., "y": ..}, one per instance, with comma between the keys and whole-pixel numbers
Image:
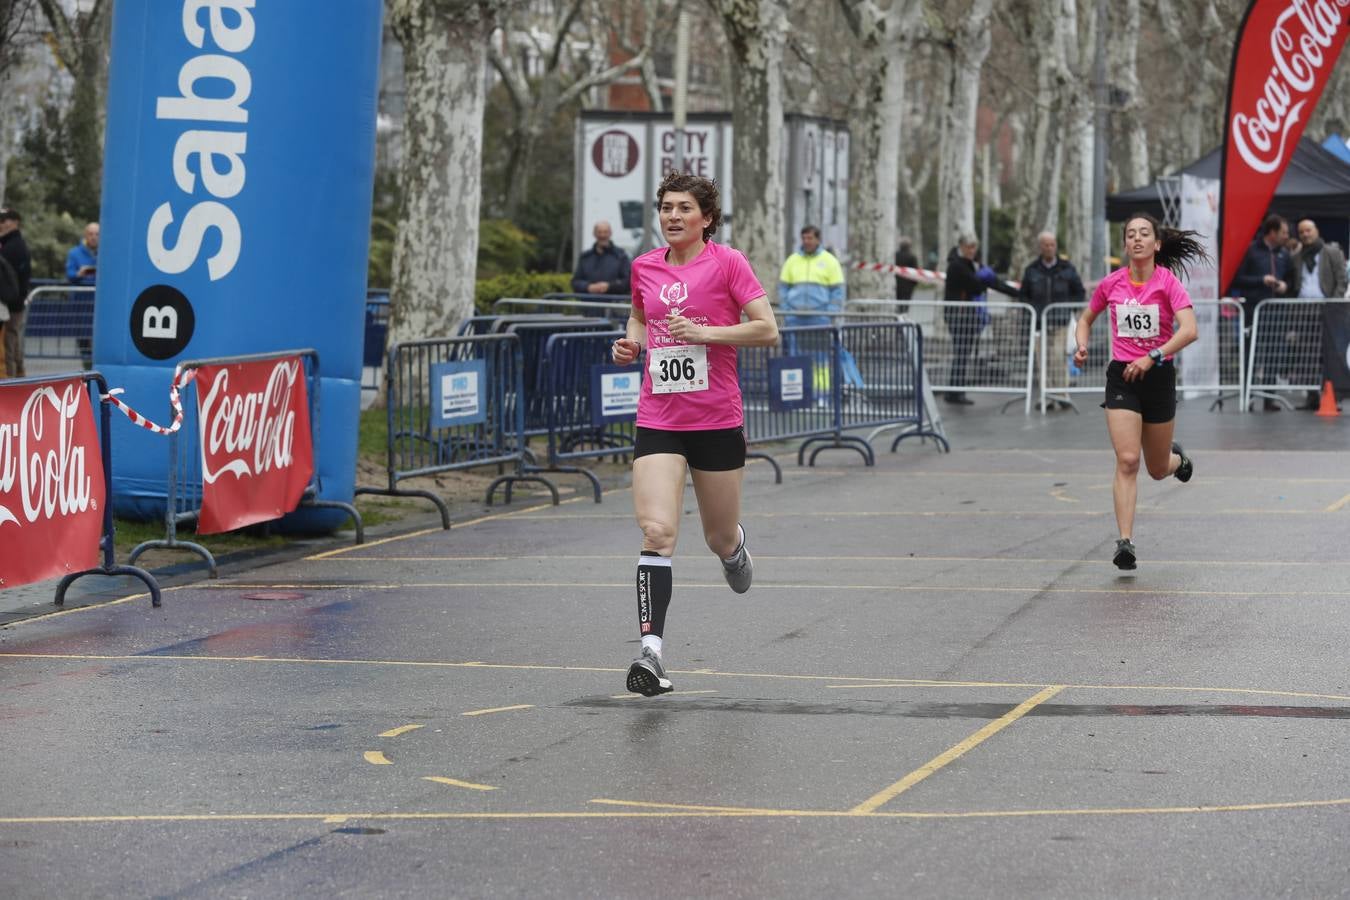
[
  {"x": 708, "y": 290},
  {"x": 1141, "y": 316}
]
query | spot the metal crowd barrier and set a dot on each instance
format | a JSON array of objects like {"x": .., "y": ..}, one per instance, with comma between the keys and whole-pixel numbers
[
  {"x": 616, "y": 308},
  {"x": 575, "y": 428},
  {"x": 1287, "y": 346},
  {"x": 97, "y": 388},
  {"x": 1213, "y": 365},
  {"x": 764, "y": 424},
  {"x": 972, "y": 347},
  {"x": 183, "y": 500},
  {"x": 59, "y": 324},
  {"x": 375, "y": 337},
  {"x": 424, "y": 439}
]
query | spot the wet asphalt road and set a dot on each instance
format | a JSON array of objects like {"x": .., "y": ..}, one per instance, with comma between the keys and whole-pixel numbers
[{"x": 938, "y": 686}]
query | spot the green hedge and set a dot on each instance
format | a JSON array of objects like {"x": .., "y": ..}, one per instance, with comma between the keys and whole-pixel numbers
[{"x": 519, "y": 284}]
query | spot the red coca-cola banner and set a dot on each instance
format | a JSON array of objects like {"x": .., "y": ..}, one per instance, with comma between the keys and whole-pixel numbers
[
  {"x": 1283, "y": 57},
  {"x": 51, "y": 482},
  {"x": 257, "y": 456}
]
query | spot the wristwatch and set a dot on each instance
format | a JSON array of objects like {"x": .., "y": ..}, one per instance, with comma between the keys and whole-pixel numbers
[{"x": 1156, "y": 355}]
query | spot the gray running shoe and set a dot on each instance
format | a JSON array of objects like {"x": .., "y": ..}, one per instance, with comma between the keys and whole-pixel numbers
[
  {"x": 1124, "y": 558},
  {"x": 646, "y": 676},
  {"x": 1187, "y": 468},
  {"x": 740, "y": 569}
]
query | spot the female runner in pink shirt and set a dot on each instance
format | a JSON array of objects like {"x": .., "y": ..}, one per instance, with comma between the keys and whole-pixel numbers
[
  {"x": 1151, "y": 319},
  {"x": 688, "y": 302}
]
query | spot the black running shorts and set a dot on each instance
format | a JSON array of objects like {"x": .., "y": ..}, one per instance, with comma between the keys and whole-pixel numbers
[
  {"x": 1154, "y": 396},
  {"x": 717, "y": 450}
]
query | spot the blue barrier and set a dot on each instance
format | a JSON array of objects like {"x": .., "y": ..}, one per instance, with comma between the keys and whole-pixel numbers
[
  {"x": 884, "y": 388},
  {"x": 59, "y": 323},
  {"x": 579, "y": 425},
  {"x": 183, "y": 498},
  {"x": 455, "y": 403}
]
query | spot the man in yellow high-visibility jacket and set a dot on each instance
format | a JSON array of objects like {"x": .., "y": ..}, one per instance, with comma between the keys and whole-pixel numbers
[{"x": 812, "y": 281}]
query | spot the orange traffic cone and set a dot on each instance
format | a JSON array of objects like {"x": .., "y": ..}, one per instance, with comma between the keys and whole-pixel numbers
[{"x": 1328, "y": 407}]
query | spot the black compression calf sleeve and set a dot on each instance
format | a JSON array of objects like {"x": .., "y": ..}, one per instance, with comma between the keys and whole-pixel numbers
[{"x": 654, "y": 585}]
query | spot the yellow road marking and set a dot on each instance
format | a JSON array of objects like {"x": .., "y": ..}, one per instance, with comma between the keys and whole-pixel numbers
[
  {"x": 335, "y": 820},
  {"x": 998, "y": 560},
  {"x": 683, "y": 807},
  {"x": 455, "y": 782},
  {"x": 666, "y": 694},
  {"x": 711, "y": 812},
  {"x": 882, "y": 797},
  {"x": 1339, "y": 504},
  {"x": 376, "y": 758},
  {"x": 779, "y": 586},
  {"x": 412, "y": 534},
  {"x": 497, "y": 709},
  {"x": 777, "y": 676},
  {"x": 402, "y": 729},
  {"x": 96, "y": 605}
]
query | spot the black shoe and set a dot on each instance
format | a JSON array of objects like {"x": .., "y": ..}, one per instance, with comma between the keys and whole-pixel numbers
[
  {"x": 1313, "y": 402},
  {"x": 1271, "y": 406},
  {"x": 1124, "y": 558},
  {"x": 960, "y": 399},
  {"x": 1185, "y": 470},
  {"x": 646, "y": 676}
]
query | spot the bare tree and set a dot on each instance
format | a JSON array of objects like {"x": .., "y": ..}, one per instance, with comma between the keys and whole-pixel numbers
[
  {"x": 755, "y": 31},
  {"x": 15, "y": 21},
  {"x": 80, "y": 43},
  {"x": 563, "y": 74},
  {"x": 1129, "y": 133},
  {"x": 885, "y": 31},
  {"x": 435, "y": 252},
  {"x": 967, "y": 42}
]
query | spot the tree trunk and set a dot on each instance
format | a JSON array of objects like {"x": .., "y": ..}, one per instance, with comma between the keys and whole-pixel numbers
[
  {"x": 1042, "y": 168},
  {"x": 756, "y": 30},
  {"x": 885, "y": 32},
  {"x": 436, "y": 250},
  {"x": 1079, "y": 215},
  {"x": 1131, "y": 137},
  {"x": 956, "y": 173}
]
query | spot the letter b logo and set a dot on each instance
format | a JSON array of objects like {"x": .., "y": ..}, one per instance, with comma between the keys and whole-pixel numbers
[{"x": 162, "y": 322}]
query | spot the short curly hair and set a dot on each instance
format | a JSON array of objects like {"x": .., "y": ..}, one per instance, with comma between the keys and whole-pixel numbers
[{"x": 704, "y": 190}]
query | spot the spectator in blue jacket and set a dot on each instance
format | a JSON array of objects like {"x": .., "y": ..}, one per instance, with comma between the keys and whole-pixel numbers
[
  {"x": 603, "y": 269},
  {"x": 82, "y": 260},
  {"x": 82, "y": 269}
]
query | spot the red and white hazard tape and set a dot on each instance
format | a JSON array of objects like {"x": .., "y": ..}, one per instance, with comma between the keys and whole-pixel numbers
[
  {"x": 928, "y": 276},
  {"x": 181, "y": 378}
]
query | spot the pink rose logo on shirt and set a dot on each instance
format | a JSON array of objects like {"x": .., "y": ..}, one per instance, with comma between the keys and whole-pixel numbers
[{"x": 672, "y": 295}]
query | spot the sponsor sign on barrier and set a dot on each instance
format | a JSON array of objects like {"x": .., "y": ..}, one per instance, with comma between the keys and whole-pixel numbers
[
  {"x": 52, "y": 491},
  {"x": 789, "y": 386},
  {"x": 458, "y": 393},
  {"x": 257, "y": 457},
  {"x": 614, "y": 393}
]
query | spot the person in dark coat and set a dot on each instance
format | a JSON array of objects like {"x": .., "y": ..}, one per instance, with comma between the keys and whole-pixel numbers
[
  {"x": 1048, "y": 279},
  {"x": 604, "y": 268},
  {"x": 967, "y": 283},
  {"x": 1264, "y": 273},
  {"x": 15, "y": 251},
  {"x": 904, "y": 287}
]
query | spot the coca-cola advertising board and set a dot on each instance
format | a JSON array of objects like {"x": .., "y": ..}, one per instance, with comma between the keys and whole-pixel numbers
[
  {"x": 1284, "y": 55},
  {"x": 51, "y": 482},
  {"x": 257, "y": 455}
]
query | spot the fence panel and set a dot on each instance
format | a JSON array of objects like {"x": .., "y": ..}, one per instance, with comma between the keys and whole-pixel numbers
[
  {"x": 972, "y": 347},
  {"x": 455, "y": 403},
  {"x": 1287, "y": 346},
  {"x": 184, "y": 491},
  {"x": 41, "y": 466},
  {"x": 1212, "y": 366},
  {"x": 59, "y": 324},
  {"x": 577, "y": 423}
]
